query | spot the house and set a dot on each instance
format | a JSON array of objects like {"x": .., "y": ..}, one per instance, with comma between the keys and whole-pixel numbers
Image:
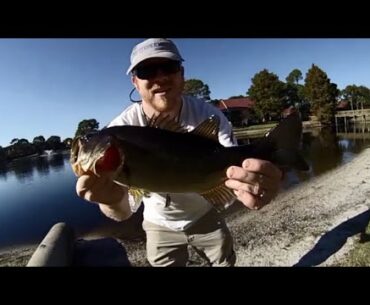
[
  {"x": 239, "y": 111},
  {"x": 343, "y": 105}
]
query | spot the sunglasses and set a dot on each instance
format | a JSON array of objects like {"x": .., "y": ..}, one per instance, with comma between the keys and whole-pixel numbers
[{"x": 150, "y": 71}]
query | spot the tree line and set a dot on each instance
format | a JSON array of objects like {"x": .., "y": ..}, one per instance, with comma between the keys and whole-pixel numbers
[
  {"x": 19, "y": 148},
  {"x": 317, "y": 96}
]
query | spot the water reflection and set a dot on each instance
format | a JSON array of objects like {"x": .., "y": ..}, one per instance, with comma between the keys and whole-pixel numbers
[
  {"x": 324, "y": 150},
  {"x": 25, "y": 168},
  {"x": 42, "y": 166},
  {"x": 57, "y": 161},
  {"x": 3, "y": 172}
]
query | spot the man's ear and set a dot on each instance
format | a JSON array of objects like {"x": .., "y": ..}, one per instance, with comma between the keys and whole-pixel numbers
[{"x": 133, "y": 81}]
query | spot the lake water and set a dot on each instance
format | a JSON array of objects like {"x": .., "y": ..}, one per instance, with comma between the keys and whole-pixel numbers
[
  {"x": 38, "y": 192},
  {"x": 35, "y": 194}
]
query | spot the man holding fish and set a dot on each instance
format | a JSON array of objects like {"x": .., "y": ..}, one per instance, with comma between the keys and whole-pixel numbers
[{"x": 178, "y": 156}]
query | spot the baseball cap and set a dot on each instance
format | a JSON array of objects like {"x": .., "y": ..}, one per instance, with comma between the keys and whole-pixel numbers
[{"x": 153, "y": 48}]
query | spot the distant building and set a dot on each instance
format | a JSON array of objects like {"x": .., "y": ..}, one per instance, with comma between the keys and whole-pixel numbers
[
  {"x": 343, "y": 105},
  {"x": 239, "y": 111}
]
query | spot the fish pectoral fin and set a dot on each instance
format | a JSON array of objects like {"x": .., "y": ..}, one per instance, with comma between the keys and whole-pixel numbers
[
  {"x": 165, "y": 122},
  {"x": 219, "y": 196},
  {"x": 208, "y": 128}
]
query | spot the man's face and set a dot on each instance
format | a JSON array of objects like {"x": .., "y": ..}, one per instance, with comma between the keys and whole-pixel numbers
[{"x": 160, "y": 83}]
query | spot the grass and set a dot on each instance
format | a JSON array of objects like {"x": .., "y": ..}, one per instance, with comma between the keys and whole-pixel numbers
[
  {"x": 254, "y": 131},
  {"x": 359, "y": 256},
  {"x": 256, "y": 127}
]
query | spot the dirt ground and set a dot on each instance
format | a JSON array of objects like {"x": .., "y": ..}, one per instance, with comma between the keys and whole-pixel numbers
[{"x": 314, "y": 224}]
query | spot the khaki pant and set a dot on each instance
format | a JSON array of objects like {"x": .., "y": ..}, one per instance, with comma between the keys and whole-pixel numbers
[{"x": 209, "y": 236}]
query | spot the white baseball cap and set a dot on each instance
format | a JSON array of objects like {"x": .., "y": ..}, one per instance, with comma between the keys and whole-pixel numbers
[{"x": 153, "y": 48}]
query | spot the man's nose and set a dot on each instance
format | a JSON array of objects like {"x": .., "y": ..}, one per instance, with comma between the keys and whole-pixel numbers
[{"x": 160, "y": 74}]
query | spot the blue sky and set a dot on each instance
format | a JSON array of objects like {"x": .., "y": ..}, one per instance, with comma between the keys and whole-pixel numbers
[{"x": 47, "y": 86}]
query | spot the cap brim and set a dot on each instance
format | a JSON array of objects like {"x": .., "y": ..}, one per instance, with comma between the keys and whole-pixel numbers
[{"x": 168, "y": 55}]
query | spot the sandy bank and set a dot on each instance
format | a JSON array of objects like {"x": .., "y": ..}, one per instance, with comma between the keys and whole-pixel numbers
[{"x": 312, "y": 224}]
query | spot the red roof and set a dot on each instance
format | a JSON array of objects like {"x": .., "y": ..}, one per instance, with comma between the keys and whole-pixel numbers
[
  {"x": 243, "y": 102},
  {"x": 342, "y": 104}
]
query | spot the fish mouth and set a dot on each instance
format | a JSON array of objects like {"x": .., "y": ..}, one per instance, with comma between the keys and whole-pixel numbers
[
  {"x": 96, "y": 155},
  {"x": 77, "y": 169},
  {"x": 75, "y": 150},
  {"x": 83, "y": 161},
  {"x": 111, "y": 159}
]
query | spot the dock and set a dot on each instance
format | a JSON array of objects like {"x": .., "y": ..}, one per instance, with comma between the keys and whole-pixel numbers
[
  {"x": 258, "y": 131},
  {"x": 359, "y": 115}
]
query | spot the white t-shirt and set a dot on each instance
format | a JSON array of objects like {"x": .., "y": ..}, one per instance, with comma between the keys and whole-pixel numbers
[{"x": 184, "y": 209}]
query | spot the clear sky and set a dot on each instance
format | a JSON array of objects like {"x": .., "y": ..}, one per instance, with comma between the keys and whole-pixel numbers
[{"x": 47, "y": 86}]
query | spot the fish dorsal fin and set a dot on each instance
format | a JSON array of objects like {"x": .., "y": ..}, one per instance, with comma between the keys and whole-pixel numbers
[
  {"x": 208, "y": 128},
  {"x": 219, "y": 196},
  {"x": 137, "y": 194},
  {"x": 165, "y": 122}
]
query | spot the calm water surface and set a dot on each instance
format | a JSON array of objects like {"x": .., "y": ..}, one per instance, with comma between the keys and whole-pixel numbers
[
  {"x": 35, "y": 194},
  {"x": 38, "y": 192}
]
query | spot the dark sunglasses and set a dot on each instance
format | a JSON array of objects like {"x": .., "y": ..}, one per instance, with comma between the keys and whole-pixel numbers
[{"x": 151, "y": 70}]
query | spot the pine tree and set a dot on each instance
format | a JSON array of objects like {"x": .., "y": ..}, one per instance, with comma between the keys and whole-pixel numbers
[
  {"x": 321, "y": 94},
  {"x": 268, "y": 92}
]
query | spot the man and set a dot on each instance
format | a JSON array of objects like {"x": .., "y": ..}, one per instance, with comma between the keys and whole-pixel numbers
[{"x": 174, "y": 221}]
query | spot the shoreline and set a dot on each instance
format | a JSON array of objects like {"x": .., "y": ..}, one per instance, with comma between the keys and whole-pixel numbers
[{"x": 306, "y": 225}]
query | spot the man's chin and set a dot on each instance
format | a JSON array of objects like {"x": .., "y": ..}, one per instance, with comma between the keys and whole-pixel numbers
[{"x": 163, "y": 103}]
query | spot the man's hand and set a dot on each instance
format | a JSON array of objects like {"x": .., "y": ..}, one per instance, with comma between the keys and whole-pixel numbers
[
  {"x": 256, "y": 183},
  {"x": 111, "y": 197}
]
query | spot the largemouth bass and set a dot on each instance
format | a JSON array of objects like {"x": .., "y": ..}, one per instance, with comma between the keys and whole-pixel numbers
[{"x": 163, "y": 157}]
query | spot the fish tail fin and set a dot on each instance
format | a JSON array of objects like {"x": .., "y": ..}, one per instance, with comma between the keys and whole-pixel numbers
[
  {"x": 285, "y": 139},
  {"x": 290, "y": 158},
  {"x": 281, "y": 144}
]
